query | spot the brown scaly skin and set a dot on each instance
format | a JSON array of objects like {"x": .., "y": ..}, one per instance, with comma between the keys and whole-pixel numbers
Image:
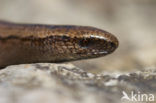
[{"x": 33, "y": 43}]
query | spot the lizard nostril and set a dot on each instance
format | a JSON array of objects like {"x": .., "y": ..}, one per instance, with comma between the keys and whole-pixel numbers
[{"x": 112, "y": 44}]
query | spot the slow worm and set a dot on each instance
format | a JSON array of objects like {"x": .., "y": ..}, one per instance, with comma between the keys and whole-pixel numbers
[{"x": 33, "y": 43}]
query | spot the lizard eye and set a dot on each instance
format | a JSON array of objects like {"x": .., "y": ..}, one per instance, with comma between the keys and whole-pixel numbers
[{"x": 85, "y": 43}]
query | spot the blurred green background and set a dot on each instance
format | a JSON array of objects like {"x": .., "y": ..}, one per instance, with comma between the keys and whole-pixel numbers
[{"x": 132, "y": 21}]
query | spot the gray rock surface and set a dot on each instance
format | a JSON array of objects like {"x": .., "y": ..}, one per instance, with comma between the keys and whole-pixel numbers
[{"x": 65, "y": 83}]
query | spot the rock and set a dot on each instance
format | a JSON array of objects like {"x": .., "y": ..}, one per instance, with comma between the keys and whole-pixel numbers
[{"x": 65, "y": 83}]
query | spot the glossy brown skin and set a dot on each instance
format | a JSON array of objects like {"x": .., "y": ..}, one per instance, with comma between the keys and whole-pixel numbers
[{"x": 33, "y": 43}]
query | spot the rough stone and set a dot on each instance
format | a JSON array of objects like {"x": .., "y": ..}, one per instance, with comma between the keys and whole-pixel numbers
[{"x": 65, "y": 83}]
